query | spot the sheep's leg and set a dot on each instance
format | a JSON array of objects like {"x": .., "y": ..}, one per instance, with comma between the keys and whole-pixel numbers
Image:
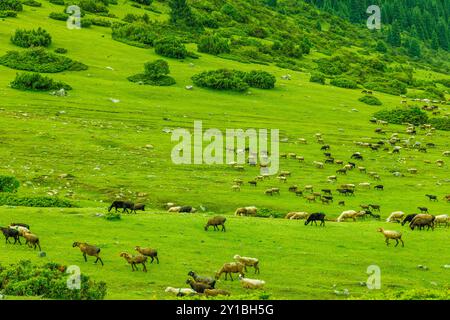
[
  {"x": 403, "y": 244},
  {"x": 39, "y": 246},
  {"x": 145, "y": 268},
  {"x": 98, "y": 258},
  {"x": 18, "y": 239},
  {"x": 396, "y": 242},
  {"x": 387, "y": 241},
  {"x": 84, "y": 255},
  {"x": 157, "y": 259},
  {"x": 223, "y": 228},
  {"x": 231, "y": 276}
]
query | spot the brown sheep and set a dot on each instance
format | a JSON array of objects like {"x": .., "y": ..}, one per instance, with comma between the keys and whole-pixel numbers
[
  {"x": 88, "y": 249},
  {"x": 148, "y": 252},
  {"x": 215, "y": 222},
  {"x": 215, "y": 292},
  {"x": 229, "y": 268},
  {"x": 422, "y": 220},
  {"x": 31, "y": 240},
  {"x": 134, "y": 260}
]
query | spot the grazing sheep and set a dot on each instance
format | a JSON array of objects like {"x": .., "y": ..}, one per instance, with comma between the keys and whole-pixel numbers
[
  {"x": 238, "y": 182},
  {"x": 423, "y": 209},
  {"x": 198, "y": 287},
  {"x": 15, "y": 224},
  {"x": 395, "y": 216},
  {"x": 138, "y": 206},
  {"x": 135, "y": 260},
  {"x": 309, "y": 188},
  {"x": 216, "y": 222},
  {"x": 251, "y": 283},
  {"x": 314, "y": 217},
  {"x": 236, "y": 187},
  {"x": 341, "y": 203},
  {"x": 253, "y": 183},
  {"x": 216, "y": 292},
  {"x": 342, "y": 171},
  {"x": 432, "y": 197},
  {"x": 206, "y": 280},
  {"x": 148, "y": 252},
  {"x": 187, "y": 209},
  {"x": 394, "y": 235},
  {"x": 375, "y": 207},
  {"x": 268, "y": 192},
  {"x": 118, "y": 204},
  {"x": 248, "y": 262},
  {"x": 282, "y": 179},
  {"x": 422, "y": 221},
  {"x": 10, "y": 233},
  {"x": 276, "y": 191},
  {"x": 379, "y": 187},
  {"x": 32, "y": 240},
  {"x": 408, "y": 218},
  {"x": 365, "y": 185},
  {"x": 88, "y": 249},
  {"x": 293, "y": 189},
  {"x": 174, "y": 209},
  {"x": 331, "y": 178},
  {"x": 442, "y": 219},
  {"x": 246, "y": 211},
  {"x": 285, "y": 174},
  {"x": 299, "y": 193},
  {"x": 311, "y": 198},
  {"x": 318, "y": 164},
  {"x": 181, "y": 292},
  {"x": 230, "y": 268},
  {"x": 350, "y": 214},
  {"x": 20, "y": 229},
  {"x": 298, "y": 215}
]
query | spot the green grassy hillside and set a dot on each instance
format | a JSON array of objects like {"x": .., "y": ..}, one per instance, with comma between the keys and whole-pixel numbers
[{"x": 104, "y": 145}]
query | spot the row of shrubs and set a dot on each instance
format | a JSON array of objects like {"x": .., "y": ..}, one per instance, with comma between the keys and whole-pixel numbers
[
  {"x": 8, "y": 14},
  {"x": 37, "y": 82},
  {"x": 48, "y": 281},
  {"x": 225, "y": 79},
  {"x": 39, "y": 60},
  {"x": 9, "y": 199},
  {"x": 13, "y": 5}
]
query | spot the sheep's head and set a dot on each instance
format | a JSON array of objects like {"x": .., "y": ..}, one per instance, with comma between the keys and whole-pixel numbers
[
  {"x": 137, "y": 248},
  {"x": 191, "y": 273},
  {"x": 124, "y": 254},
  {"x": 217, "y": 276},
  {"x": 236, "y": 257},
  {"x": 75, "y": 244},
  {"x": 380, "y": 229},
  {"x": 189, "y": 281}
]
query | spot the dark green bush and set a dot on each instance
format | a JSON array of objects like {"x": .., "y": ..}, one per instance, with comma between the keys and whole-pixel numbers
[
  {"x": 260, "y": 79},
  {"x": 9, "y": 184},
  {"x": 400, "y": 115},
  {"x": 14, "y": 5},
  {"x": 113, "y": 216},
  {"x": 61, "y": 50},
  {"x": 85, "y": 23},
  {"x": 317, "y": 77},
  {"x": 101, "y": 22},
  {"x": 269, "y": 213},
  {"x": 32, "y": 3},
  {"x": 335, "y": 66},
  {"x": 31, "y": 38},
  {"x": 370, "y": 100},
  {"x": 37, "y": 82},
  {"x": 134, "y": 33},
  {"x": 42, "y": 202},
  {"x": 344, "y": 83},
  {"x": 39, "y": 60},
  {"x": 155, "y": 73},
  {"x": 48, "y": 281},
  {"x": 222, "y": 79},
  {"x": 93, "y": 6},
  {"x": 441, "y": 123},
  {"x": 394, "y": 87},
  {"x": 61, "y": 16},
  {"x": 144, "y": 2},
  {"x": 213, "y": 44},
  {"x": 170, "y": 47},
  {"x": 8, "y": 14},
  {"x": 58, "y": 2},
  {"x": 445, "y": 82}
]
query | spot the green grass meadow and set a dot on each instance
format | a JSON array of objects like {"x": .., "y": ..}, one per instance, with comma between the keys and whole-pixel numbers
[{"x": 103, "y": 145}]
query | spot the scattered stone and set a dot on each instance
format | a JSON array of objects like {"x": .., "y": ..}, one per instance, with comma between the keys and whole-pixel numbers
[
  {"x": 189, "y": 87},
  {"x": 114, "y": 100},
  {"x": 422, "y": 267},
  {"x": 110, "y": 68},
  {"x": 42, "y": 254},
  {"x": 149, "y": 146},
  {"x": 447, "y": 266}
]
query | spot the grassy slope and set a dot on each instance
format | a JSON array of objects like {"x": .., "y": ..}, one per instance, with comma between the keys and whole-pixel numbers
[{"x": 96, "y": 132}]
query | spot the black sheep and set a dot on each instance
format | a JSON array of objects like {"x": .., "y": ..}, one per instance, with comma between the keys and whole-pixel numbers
[
  {"x": 408, "y": 218},
  {"x": 10, "y": 233},
  {"x": 314, "y": 217},
  {"x": 125, "y": 205}
]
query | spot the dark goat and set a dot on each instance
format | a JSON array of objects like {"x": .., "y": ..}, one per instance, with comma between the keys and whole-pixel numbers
[
  {"x": 314, "y": 217},
  {"x": 423, "y": 209},
  {"x": 432, "y": 197},
  {"x": 138, "y": 206},
  {"x": 375, "y": 207},
  {"x": 379, "y": 187},
  {"x": 125, "y": 205},
  {"x": 198, "y": 287},
  {"x": 10, "y": 233}
]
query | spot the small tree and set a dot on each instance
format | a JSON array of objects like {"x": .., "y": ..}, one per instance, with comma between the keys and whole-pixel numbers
[
  {"x": 9, "y": 184},
  {"x": 156, "y": 69}
]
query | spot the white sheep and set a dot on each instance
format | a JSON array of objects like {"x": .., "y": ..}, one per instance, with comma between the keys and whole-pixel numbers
[
  {"x": 251, "y": 283},
  {"x": 365, "y": 185},
  {"x": 181, "y": 291},
  {"x": 248, "y": 262},
  {"x": 174, "y": 209},
  {"x": 350, "y": 214},
  {"x": 395, "y": 216},
  {"x": 442, "y": 219},
  {"x": 298, "y": 215}
]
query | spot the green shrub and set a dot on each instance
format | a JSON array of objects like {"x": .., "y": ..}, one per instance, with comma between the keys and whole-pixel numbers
[
  {"x": 258, "y": 32},
  {"x": 42, "y": 202},
  {"x": 260, "y": 79},
  {"x": 269, "y": 213},
  {"x": 61, "y": 16},
  {"x": 344, "y": 83},
  {"x": 8, "y": 14},
  {"x": 440, "y": 123},
  {"x": 39, "y": 60},
  {"x": 370, "y": 100},
  {"x": 113, "y": 216},
  {"x": 14, "y": 5},
  {"x": 93, "y": 6},
  {"x": 101, "y": 22},
  {"x": 48, "y": 281},
  {"x": 400, "y": 115},
  {"x": 31, "y": 38},
  {"x": 85, "y": 23},
  {"x": 9, "y": 184},
  {"x": 134, "y": 33},
  {"x": 335, "y": 66},
  {"x": 155, "y": 73},
  {"x": 58, "y": 2},
  {"x": 317, "y": 77},
  {"x": 170, "y": 47},
  {"x": 37, "y": 82},
  {"x": 222, "y": 79},
  {"x": 144, "y": 2},
  {"x": 213, "y": 44},
  {"x": 32, "y": 3},
  {"x": 61, "y": 50},
  {"x": 394, "y": 87},
  {"x": 445, "y": 82}
]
